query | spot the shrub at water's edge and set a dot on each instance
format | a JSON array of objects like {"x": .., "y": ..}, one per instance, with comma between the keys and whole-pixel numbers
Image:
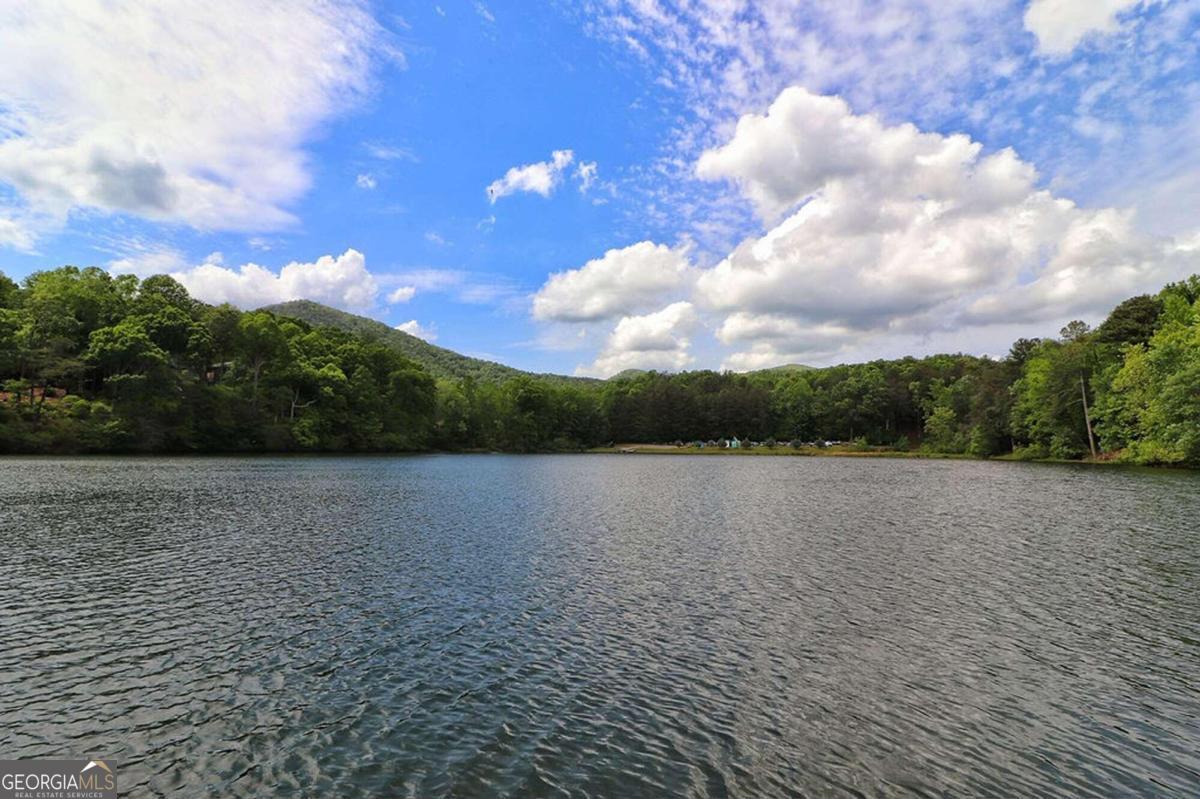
[{"x": 91, "y": 362}]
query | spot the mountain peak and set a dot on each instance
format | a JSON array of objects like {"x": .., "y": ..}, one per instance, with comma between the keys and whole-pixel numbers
[{"x": 439, "y": 361}]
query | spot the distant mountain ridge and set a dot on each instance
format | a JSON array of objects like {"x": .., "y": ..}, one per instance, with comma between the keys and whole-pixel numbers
[
  {"x": 439, "y": 361},
  {"x": 788, "y": 367}
]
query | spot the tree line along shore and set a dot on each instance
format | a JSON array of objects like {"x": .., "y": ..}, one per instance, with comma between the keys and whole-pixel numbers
[{"x": 92, "y": 362}]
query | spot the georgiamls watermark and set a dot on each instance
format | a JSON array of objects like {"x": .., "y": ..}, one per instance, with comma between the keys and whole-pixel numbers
[{"x": 57, "y": 779}]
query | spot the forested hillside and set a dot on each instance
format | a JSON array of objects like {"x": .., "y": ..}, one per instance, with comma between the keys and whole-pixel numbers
[
  {"x": 438, "y": 361},
  {"x": 90, "y": 362},
  {"x": 95, "y": 363}
]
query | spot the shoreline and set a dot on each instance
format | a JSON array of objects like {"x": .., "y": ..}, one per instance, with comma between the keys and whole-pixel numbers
[
  {"x": 842, "y": 452},
  {"x": 780, "y": 451},
  {"x": 624, "y": 449}
]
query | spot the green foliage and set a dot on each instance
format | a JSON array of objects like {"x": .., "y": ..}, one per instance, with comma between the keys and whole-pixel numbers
[
  {"x": 524, "y": 414},
  {"x": 63, "y": 306},
  {"x": 1132, "y": 322},
  {"x": 9, "y": 292},
  {"x": 942, "y": 430},
  {"x": 1075, "y": 331},
  {"x": 95, "y": 363},
  {"x": 11, "y": 349},
  {"x": 158, "y": 291},
  {"x": 438, "y": 361},
  {"x": 1151, "y": 408},
  {"x": 1050, "y": 395},
  {"x": 124, "y": 349},
  {"x": 1187, "y": 291}
]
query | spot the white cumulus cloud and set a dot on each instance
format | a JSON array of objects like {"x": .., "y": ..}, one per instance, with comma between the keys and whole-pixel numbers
[
  {"x": 414, "y": 328},
  {"x": 1060, "y": 25},
  {"x": 807, "y": 144},
  {"x": 192, "y": 113},
  {"x": 1107, "y": 119},
  {"x": 342, "y": 281},
  {"x": 540, "y": 178},
  {"x": 620, "y": 282},
  {"x": 776, "y": 339},
  {"x": 659, "y": 340},
  {"x": 887, "y": 229}
]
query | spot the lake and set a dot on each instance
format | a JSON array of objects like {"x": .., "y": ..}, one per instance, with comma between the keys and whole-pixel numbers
[{"x": 609, "y": 626}]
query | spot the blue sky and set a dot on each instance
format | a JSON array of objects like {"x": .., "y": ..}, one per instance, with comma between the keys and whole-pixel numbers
[{"x": 905, "y": 177}]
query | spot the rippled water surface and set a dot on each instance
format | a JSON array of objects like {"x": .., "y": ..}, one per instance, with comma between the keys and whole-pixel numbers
[{"x": 603, "y": 626}]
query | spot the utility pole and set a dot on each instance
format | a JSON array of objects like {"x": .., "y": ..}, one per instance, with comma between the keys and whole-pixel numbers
[{"x": 1087, "y": 418}]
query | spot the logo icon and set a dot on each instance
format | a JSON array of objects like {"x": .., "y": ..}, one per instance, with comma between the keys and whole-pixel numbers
[{"x": 57, "y": 779}]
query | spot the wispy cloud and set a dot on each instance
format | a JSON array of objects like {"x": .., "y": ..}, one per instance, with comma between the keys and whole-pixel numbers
[
  {"x": 472, "y": 288},
  {"x": 401, "y": 295},
  {"x": 389, "y": 152},
  {"x": 538, "y": 178}
]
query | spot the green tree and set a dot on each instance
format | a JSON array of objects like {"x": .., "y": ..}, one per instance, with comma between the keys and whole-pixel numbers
[
  {"x": 124, "y": 351},
  {"x": 1132, "y": 322},
  {"x": 941, "y": 429},
  {"x": 163, "y": 290},
  {"x": 1052, "y": 402},
  {"x": 1153, "y": 406},
  {"x": 259, "y": 341},
  {"x": 10, "y": 292}
]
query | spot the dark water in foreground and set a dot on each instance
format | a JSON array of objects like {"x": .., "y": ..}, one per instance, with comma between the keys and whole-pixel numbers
[{"x": 604, "y": 626}]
